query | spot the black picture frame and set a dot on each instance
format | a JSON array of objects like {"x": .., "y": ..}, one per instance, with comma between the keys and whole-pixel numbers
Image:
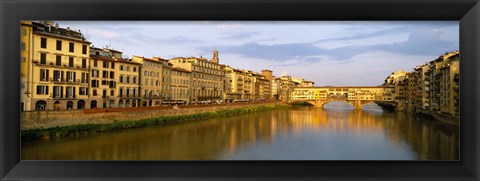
[{"x": 465, "y": 11}]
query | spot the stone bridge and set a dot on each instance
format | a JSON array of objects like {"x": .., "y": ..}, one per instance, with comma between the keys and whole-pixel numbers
[{"x": 357, "y": 96}]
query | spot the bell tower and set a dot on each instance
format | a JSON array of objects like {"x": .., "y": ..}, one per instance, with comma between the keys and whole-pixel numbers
[{"x": 215, "y": 56}]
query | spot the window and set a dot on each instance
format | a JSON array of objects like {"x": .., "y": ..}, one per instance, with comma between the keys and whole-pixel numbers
[
  {"x": 95, "y": 83},
  {"x": 43, "y": 43},
  {"x": 128, "y": 79},
  {"x": 127, "y": 68},
  {"x": 71, "y": 47},
  {"x": 84, "y": 49},
  {"x": 24, "y": 32},
  {"x": 42, "y": 90},
  {"x": 56, "y": 75},
  {"x": 70, "y": 92},
  {"x": 59, "y": 45},
  {"x": 112, "y": 92},
  {"x": 112, "y": 74},
  {"x": 104, "y": 74},
  {"x": 94, "y": 92},
  {"x": 24, "y": 59},
  {"x": 83, "y": 91},
  {"x": 113, "y": 65},
  {"x": 70, "y": 76},
  {"x": 23, "y": 46},
  {"x": 134, "y": 69},
  {"x": 146, "y": 74},
  {"x": 121, "y": 79},
  {"x": 70, "y": 61},
  {"x": 134, "y": 80},
  {"x": 112, "y": 84},
  {"x": 57, "y": 91},
  {"x": 58, "y": 61},
  {"x": 105, "y": 64},
  {"x": 84, "y": 77},
  {"x": 95, "y": 73},
  {"x": 43, "y": 75},
  {"x": 43, "y": 58},
  {"x": 121, "y": 67},
  {"x": 95, "y": 63},
  {"x": 84, "y": 63}
]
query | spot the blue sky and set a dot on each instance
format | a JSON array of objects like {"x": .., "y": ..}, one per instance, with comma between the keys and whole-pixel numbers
[{"x": 326, "y": 52}]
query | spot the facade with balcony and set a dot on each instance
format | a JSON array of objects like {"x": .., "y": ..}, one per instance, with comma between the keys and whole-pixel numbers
[
  {"x": 55, "y": 68},
  {"x": 207, "y": 78},
  {"x": 181, "y": 89}
]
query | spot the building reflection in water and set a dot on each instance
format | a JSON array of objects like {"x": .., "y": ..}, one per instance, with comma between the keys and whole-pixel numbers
[{"x": 297, "y": 133}]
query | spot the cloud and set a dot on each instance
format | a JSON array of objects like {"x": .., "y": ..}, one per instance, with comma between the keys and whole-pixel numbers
[
  {"x": 103, "y": 34},
  {"x": 241, "y": 35},
  {"x": 230, "y": 26},
  {"x": 420, "y": 42}
]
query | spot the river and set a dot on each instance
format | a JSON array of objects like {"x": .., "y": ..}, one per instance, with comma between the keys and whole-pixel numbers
[{"x": 299, "y": 133}]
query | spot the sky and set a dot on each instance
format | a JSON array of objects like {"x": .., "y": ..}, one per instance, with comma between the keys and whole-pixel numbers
[{"x": 335, "y": 53}]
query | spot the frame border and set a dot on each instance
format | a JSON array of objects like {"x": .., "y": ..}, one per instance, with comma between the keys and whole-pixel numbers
[{"x": 467, "y": 12}]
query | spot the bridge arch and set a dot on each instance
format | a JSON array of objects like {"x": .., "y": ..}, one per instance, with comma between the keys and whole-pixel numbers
[
  {"x": 357, "y": 104},
  {"x": 310, "y": 102}
]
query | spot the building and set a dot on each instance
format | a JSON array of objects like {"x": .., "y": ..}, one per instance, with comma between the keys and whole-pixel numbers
[
  {"x": 262, "y": 87},
  {"x": 54, "y": 67},
  {"x": 150, "y": 84},
  {"x": 307, "y": 83},
  {"x": 444, "y": 83},
  {"x": 103, "y": 79},
  {"x": 181, "y": 86},
  {"x": 207, "y": 78},
  {"x": 234, "y": 82},
  {"x": 430, "y": 87},
  {"x": 26, "y": 53},
  {"x": 128, "y": 83},
  {"x": 276, "y": 82},
  {"x": 269, "y": 76},
  {"x": 286, "y": 88}
]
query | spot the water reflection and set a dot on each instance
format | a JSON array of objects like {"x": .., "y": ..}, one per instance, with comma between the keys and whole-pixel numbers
[{"x": 300, "y": 133}]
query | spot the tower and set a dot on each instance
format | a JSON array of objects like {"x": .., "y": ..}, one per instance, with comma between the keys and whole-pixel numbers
[{"x": 215, "y": 56}]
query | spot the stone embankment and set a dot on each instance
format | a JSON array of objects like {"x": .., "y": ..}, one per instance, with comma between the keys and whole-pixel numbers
[
  {"x": 57, "y": 124},
  {"x": 59, "y": 118}
]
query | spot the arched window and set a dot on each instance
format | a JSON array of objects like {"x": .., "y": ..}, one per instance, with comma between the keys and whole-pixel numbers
[
  {"x": 69, "y": 105},
  {"x": 81, "y": 104},
  {"x": 41, "y": 105},
  {"x": 93, "y": 105}
]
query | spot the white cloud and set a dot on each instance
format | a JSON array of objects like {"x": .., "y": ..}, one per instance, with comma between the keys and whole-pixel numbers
[
  {"x": 102, "y": 34},
  {"x": 377, "y": 40}
]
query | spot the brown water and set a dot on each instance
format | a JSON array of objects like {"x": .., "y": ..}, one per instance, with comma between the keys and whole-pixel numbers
[{"x": 299, "y": 133}]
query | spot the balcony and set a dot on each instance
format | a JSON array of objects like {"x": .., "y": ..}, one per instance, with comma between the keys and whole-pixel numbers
[{"x": 456, "y": 78}]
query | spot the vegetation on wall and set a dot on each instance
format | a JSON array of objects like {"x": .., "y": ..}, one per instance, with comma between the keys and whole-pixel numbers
[{"x": 90, "y": 129}]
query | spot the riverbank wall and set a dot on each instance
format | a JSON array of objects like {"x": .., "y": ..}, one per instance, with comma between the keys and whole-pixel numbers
[
  {"x": 61, "y": 118},
  {"x": 431, "y": 115}
]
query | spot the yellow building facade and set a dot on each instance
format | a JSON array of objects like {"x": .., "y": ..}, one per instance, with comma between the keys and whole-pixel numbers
[
  {"x": 181, "y": 89},
  {"x": 207, "y": 78},
  {"x": 57, "y": 67},
  {"x": 128, "y": 80},
  {"x": 151, "y": 76},
  {"x": 104, "y": 78}
]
